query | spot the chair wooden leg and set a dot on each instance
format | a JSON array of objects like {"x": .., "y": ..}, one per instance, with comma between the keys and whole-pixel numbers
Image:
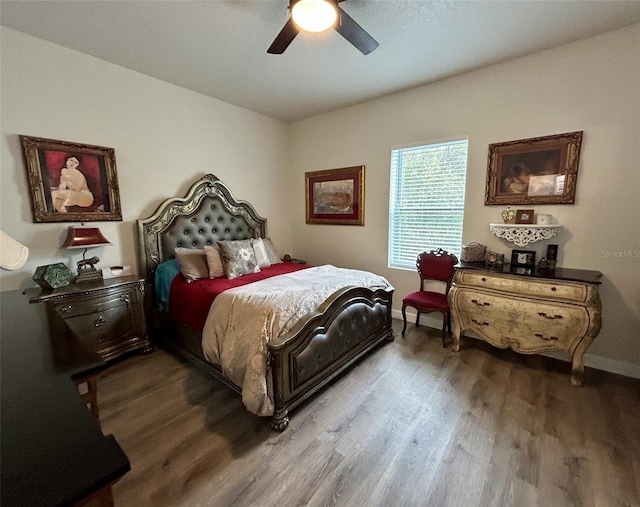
[
  {"x": 404, "y": 318},
  {"x": 417, "y": 317},
  {"x": 444, "y": 328}
]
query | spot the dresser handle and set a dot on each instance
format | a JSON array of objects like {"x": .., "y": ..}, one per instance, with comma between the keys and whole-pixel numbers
[
  {"x": 126, "y": 298},
  {"x": 66, "y": 309},
  {"x": 550, "y": 317},
  {"x": 547, "y": 339},
  {"x": 100, "y": 322},
  {"x": 476, "y": 302},
  {"x": 553, "y": 289},
  {"x": 483, "y": 323},
  {"x": 484, "y": 279}
]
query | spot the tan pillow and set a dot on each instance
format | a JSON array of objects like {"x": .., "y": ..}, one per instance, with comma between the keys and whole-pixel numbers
[
  {"x": 214, "y": 262},
  {"x": 193, "y": 263}
]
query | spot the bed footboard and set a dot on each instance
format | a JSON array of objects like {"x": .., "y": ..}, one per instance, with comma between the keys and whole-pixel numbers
[{"x": 325, "y": 343}]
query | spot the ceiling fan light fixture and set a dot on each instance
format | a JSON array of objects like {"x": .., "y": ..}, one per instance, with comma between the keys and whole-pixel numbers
[{"x": 314, "y": 15}]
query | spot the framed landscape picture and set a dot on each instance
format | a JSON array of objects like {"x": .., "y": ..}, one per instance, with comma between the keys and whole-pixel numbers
[
  {"x": 71, "y": 182},
  {"x": 335, "y": 196},
  {"x": 541, "y": 170}
]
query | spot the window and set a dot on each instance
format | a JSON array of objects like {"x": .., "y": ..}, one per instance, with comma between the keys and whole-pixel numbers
[{"x": 426, "y": 201}]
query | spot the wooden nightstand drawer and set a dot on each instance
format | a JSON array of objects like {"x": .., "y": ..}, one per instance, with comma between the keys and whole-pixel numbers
[
  {"x": 100, "y": 327},
  {"x": 95, "y": 304}
]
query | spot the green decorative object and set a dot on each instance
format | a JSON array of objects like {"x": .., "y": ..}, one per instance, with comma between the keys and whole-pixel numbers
[{"x": 53, "y": 276}]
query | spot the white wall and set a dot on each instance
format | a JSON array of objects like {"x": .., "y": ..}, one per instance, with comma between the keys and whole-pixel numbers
[
  {"x": 164, "y": 137},
  {"x": 592, "y": 85}
]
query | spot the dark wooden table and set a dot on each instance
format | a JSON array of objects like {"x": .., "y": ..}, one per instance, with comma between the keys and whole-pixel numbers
[{"x": 53, "y": 453}]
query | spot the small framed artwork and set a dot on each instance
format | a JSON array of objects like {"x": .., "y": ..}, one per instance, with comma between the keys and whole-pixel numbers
[
  {"x": 335, "y": 196},
  {"x": 71, "y": 182},
  {"x": 524, "y": 216},
  {"x": 540, "y": 170},
  {"x": 523, "y": 262}
]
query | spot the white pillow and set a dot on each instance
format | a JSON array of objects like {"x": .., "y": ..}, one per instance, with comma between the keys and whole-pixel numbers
[
  {"x": 214, "y": 262},
  {"x": 261, "y": 253},
  {"x": 272, "y": 253}
]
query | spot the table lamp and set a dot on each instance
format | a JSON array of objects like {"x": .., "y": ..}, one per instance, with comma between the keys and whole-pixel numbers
[
  {"x": 86, "y": 237},
  {"x": 13, "y": 255}
]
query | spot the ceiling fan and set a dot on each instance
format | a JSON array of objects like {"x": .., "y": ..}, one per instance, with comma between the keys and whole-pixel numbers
[{"x": 304, "y": 17}]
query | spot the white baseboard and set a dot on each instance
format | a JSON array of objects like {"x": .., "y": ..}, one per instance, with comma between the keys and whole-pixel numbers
[{"x": 590, "y": 360}]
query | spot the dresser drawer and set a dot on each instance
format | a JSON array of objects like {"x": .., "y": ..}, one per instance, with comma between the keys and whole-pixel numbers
[
  {"x": 95, "y": 303},
  {"x": 529, "y": 287},
  {"x": 525, "y": 326},
  {"x": 103, "y": 329}
]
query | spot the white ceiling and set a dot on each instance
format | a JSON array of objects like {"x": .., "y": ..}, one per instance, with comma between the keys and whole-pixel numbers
[{"x": 218, "y": 48}]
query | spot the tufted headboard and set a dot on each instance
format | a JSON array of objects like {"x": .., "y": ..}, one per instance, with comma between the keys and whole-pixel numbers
[{"x": 207, "y": 214}]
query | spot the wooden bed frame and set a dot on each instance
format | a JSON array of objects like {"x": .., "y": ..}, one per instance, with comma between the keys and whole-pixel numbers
[{"x": 322, "y": 345}]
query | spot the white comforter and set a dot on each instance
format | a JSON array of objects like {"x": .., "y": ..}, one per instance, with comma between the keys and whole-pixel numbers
[{"x": 242, "y": 320}]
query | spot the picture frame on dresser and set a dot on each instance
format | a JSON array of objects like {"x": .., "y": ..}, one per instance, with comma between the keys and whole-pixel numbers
[
  {"x": 71, "y": 182},
  {"x": 524, "y": 216},
  {"x": 523, "y": 262},
  {"x": 539, "y": 170}
]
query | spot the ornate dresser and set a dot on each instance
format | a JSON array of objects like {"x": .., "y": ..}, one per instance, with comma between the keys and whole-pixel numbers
[{"x": 544, "y": 311}]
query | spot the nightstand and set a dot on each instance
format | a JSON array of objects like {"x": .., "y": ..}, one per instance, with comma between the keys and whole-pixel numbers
[{"x": 106, "y": 316}]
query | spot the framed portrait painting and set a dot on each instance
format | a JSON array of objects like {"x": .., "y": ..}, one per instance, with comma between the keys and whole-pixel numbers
[
  {"x": 541, "y": 170},
  {"x": 71, "y": 182},
  {"x": 335, "y": 196}
]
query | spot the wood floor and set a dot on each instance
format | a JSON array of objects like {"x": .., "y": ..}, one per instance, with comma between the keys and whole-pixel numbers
[{"x": 413, "y": 424}]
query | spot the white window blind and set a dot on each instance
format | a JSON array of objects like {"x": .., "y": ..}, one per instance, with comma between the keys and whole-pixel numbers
[{"x": 426, "y": 201}]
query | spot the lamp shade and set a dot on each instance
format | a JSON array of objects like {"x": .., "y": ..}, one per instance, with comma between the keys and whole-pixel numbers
[
  {"x": 84, "y": 237},
  {"x": 12, "y": 254},
  {"x": 314, "y": 15}
]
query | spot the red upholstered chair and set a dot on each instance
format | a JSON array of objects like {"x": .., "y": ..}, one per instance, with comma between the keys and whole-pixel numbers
[{"x": 436, "y": 265}]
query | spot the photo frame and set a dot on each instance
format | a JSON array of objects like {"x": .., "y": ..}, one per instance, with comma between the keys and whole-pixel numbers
[
  {"x": 540, "y": 170},
  {"x": 523, "y": 262},
  {"x": 524, "y": 216},
  {"x": 71, "y": 182},
  {"x": 335, "y": 196}
]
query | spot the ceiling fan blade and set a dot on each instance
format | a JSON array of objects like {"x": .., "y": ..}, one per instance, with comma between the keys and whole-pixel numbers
[
  {"x": 284, "y": 38},
  {"x": 355, "y": 34}
]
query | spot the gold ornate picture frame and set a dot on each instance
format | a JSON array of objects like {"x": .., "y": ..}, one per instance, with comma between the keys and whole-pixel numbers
[
  {"x": 71, "y": 182},
  {"x": 540, "y": 170}
]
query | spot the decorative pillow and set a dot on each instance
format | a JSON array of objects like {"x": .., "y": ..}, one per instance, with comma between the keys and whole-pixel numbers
[
  {"x": 261, "y": 253},
  {"x": 214, "y": 262},
  {"x": 238, "y": 258},
  {"x": 272, "y": 253},
  {"x": 193, "y": 263}
]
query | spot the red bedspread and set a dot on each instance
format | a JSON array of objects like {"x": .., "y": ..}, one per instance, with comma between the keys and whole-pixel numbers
[{"x": 189, "y": 303}]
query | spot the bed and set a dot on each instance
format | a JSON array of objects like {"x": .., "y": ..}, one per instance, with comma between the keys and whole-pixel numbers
[{"x": 351, "y": 322}]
